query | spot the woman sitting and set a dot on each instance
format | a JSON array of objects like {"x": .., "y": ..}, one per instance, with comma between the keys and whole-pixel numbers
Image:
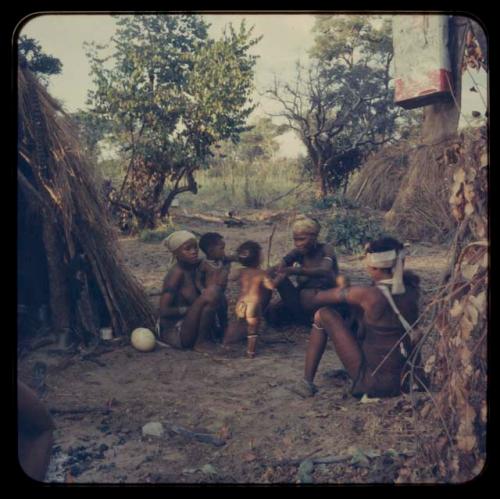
[
  {"x": 375, "y": 356},
  {"x": 187, "y": 315},
  {"x": 315, "y": 266}
]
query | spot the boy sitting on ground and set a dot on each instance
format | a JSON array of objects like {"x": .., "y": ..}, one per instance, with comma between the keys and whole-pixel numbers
[
  {"x": 255, "y": 292},
  {"x": 216, "y": 262}
]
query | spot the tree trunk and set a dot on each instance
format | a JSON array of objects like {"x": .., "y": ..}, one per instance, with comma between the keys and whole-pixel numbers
[
  {"x": 322, "y": 185},
  {"x": 441, "y": 119},
  {"x": 190, "y": 187}
]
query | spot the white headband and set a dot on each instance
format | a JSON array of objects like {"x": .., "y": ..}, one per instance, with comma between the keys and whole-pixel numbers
[
  {"x": 388, "y": 260},
  {"x": 177, "y": 239},
  {"x": 382, "y": 260}
]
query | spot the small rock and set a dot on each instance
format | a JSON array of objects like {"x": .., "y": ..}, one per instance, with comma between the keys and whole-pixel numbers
[
  {"x": 154, "y": 429},
  {"x": 106, "y": 467},
  {"x": 208, "y": 469},
  {"x": 75, "y": 470},
  {"x": 304, "y": 473},
  {"x": 103, "y": 447}
]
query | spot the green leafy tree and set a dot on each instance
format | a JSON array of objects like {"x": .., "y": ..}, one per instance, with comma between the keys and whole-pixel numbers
[
  {"x": 342, "y": 106},
  {"x": 169, "y": 93},
  {"x": 32, "y": 55},
  {"x": 92, "y": 129}
]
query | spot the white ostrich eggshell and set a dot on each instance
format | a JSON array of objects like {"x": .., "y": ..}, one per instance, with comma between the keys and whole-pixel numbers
[{"x": 143, "y": 339}]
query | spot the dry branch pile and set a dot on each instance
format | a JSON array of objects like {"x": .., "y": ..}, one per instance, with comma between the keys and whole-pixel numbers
[
  {"x": 62, "y": 213},
  {"x": 459, "y": 365}
]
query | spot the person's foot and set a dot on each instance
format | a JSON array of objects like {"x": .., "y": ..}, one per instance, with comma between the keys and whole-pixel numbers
[
  {"x": 304, "y": 388},
  {"x": 250, "y": 355}
]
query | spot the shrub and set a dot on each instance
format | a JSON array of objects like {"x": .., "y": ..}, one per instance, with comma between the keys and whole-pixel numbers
[
  {"x": 332, "y": 201},
  {"x": 349, "y": 232},
  {"x": 156, "y": 235}
]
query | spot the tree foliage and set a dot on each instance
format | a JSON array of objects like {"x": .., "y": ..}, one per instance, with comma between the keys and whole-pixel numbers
[
  {"x": 169, "y": 93},
  {"x": 92, "y": 129},
  {"x": 342, "y": 105},
  {"x": 32, "y": 55}
]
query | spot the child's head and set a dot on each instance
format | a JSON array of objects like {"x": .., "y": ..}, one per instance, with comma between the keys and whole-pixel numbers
[
  {"x": 249, "y": 254},
  {"x": 213, "y": 245}
]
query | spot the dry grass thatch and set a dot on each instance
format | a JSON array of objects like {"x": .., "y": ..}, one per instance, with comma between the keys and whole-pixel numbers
[
  {"x": 55, "y": 184},
  {"x": 421, "y": 209},
  {"x": 458, "y": 406},
  {"x": 378, "y": 182}
]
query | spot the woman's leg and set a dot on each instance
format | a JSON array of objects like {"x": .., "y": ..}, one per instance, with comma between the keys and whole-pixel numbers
[
  {"x": 198, "y": 318},
  {"x": 315, "y": 350},
  {"x": 291, "y": 298},
  {"x": 344, "y": 342}
]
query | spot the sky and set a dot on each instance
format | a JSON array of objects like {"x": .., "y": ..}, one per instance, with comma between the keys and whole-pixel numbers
[{"x": 286, "y": 39}]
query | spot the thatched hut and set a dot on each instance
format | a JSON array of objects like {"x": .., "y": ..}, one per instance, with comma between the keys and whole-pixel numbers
[
  {"x": 377, "y": 183},
  {"x": 69, "y": 263},
  {"x": 420, "y": 209}
]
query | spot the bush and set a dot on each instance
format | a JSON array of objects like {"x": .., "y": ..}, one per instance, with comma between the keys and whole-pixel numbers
[
  {"x": 350, "y": 232},
  {"x": 332, "y": 201},
  {"x": 156, "y": 235}
]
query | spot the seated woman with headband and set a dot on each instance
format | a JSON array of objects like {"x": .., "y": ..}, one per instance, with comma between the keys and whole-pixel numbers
[
  {"x": 187, "y": 315},
  {"x": 376, "y": 356},
  {"x": 315, "y": 266}
]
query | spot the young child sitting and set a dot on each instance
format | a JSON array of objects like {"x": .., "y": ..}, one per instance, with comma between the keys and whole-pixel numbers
[
  {"x": 215, "y": 267},
  {"x": 255, "y": 292}
]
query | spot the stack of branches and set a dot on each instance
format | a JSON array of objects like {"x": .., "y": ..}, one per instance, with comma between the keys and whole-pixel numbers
[
  {"x": 420, "y": 210},
  {"x": 78, "y": 244},
  {"x": 379, "y": 179},
  {"x": 458, "y": 323}
]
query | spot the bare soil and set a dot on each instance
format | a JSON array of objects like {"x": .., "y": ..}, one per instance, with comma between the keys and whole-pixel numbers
[{"x": 101, "y": 401}]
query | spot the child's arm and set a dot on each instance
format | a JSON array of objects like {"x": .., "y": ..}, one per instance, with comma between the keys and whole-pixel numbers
[
  {"x": 273, "y": 282},
  {"x": 200, "y": 275},
  {"x": 230, "y": 258}
]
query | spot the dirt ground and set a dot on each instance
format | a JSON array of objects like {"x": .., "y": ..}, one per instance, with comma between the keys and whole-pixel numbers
[{"x": 100, "y": 402}]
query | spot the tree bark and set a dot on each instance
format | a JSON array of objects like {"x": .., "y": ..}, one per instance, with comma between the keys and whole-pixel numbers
[
  {"x": 441, "y": 119},
  {"x": 190, "y": 187}
]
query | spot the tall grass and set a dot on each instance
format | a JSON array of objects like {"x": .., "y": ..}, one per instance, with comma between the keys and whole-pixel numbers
[{"x": 277, "y": 184}]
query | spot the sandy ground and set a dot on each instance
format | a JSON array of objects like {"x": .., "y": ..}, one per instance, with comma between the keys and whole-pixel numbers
[{"x": 101, "y": 402}]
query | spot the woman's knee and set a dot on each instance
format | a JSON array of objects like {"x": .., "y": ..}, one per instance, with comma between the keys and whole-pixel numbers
[{"x": 324, "y": 316}]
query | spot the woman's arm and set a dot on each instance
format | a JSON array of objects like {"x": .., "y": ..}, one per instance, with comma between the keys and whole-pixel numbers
[
  {"x": 171, "y": 287},
  {"x": 327, "y": 267},
  {"x": 354, "y": 295}
]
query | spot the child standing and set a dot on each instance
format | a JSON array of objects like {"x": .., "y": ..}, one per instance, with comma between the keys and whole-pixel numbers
[{"x": 255, "y": 292}]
